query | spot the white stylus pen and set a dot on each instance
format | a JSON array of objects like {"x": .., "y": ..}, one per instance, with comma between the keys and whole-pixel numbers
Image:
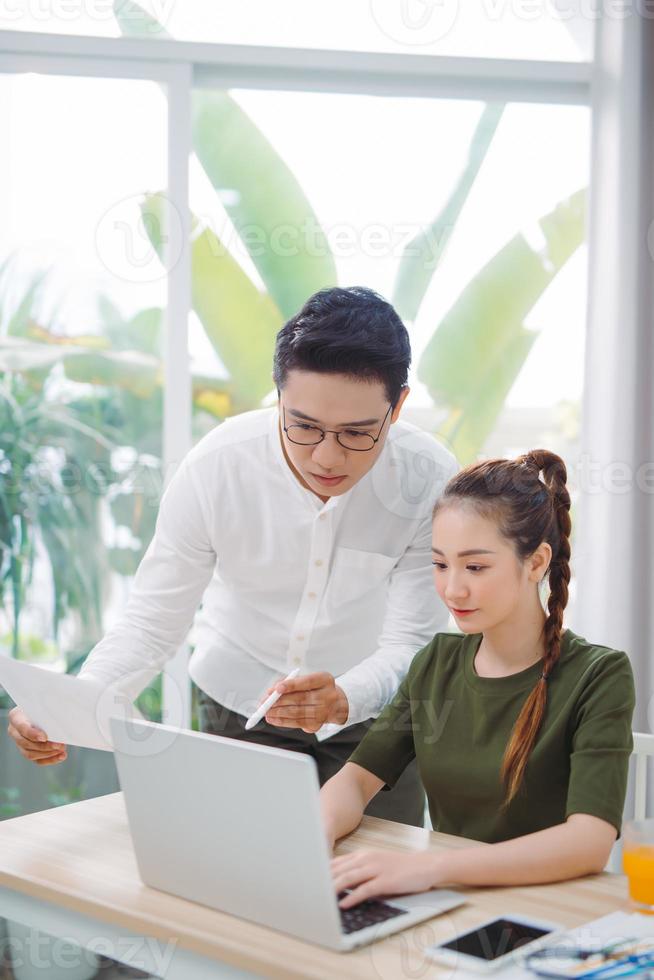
[{"x": 268, "y": 703}]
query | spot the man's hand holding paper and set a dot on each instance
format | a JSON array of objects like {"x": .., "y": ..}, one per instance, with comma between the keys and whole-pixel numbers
[{"x": 33, "y": 742}]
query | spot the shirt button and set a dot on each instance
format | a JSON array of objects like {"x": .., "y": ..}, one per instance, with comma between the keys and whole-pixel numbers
[
  {"x": 300, "y": 637},
  {"x": 318, "y": 562},
  {"x": 323, "y": 516},
  {"x": 312, "y": 595},
  {"x": 297, "y": 661}
]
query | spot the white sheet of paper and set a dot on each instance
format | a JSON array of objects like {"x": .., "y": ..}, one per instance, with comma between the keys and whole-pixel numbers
[{"x": 68, "y": 709}]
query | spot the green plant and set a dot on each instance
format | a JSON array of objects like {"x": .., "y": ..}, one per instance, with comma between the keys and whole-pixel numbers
[
  {"x": 112, "y": 379},
  {"x": 30, "y": 647},
  {"x": 40, "y": 445},
  {"x": 10, "y": 805},
  {"x": 60, "y": 794},
  {"x": 480, "y": 345},
  {"x": 476, "y": 351},
  {"x": 62, "y": 421}
]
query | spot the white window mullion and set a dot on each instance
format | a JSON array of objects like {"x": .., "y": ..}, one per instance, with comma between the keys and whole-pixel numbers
[{"x": 176, "y": 690}]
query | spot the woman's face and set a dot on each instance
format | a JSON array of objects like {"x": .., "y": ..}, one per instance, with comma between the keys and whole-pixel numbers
[{"x": 477, "y": 572}]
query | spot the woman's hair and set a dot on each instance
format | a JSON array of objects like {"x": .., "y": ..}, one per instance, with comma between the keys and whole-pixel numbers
[
  {"x": 351, "y": 331},
  {"x": 527, "y": 511}
]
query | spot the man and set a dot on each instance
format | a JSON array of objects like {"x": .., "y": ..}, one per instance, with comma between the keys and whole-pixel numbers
[{"x": 310, "y": 523}]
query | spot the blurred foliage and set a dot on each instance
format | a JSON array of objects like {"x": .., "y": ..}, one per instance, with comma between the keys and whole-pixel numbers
[
  {"x": 81, "y": 416},
  {"x": 476, "y": 351}
]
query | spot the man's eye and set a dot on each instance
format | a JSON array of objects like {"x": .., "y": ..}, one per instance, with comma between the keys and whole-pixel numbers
[
  {"x": 305, "y": 427},
  {"x": 353, "y": 433}
]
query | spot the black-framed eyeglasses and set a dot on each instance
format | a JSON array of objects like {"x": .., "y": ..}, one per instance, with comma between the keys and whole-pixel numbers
[{"x": 308, "y": 434}]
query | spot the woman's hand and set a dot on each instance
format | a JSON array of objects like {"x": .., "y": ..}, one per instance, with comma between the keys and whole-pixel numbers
[{"x": 373, "y": 873}]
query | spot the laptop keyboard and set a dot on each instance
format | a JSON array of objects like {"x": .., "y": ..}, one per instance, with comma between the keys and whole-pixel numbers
[{"x": 367, "y": 913}]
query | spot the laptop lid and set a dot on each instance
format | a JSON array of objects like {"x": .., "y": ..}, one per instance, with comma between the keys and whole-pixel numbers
[{"x": 228, "y": 824}]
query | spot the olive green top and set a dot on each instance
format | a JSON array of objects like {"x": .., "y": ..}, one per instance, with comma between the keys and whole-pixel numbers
[{"x": 458, "y": 725}]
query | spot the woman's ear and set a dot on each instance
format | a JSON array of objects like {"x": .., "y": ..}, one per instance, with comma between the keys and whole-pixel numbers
[{"x": 539, "y": 562}]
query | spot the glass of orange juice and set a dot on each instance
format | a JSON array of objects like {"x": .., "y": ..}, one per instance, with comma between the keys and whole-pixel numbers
[{"x": 638, "y": 863}]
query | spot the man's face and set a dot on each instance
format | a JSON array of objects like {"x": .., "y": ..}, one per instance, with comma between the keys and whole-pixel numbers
[{"x": 343, "y": 404}]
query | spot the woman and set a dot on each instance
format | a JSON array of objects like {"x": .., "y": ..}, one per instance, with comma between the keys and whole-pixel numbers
[{"x": 521, "y": 729}]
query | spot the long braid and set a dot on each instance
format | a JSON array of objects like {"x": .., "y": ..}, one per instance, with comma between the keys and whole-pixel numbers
[{"x": 531, "y": 716}]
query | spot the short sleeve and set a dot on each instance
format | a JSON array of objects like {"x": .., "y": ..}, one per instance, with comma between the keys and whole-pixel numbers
[
  {"x": 388, "y": 746},
  {"x": 602, "y": 741}
]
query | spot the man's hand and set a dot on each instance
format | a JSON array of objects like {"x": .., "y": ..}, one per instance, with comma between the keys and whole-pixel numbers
[
  {"x": 32, "y": 742},
  {"x": 373, "y": 873},
  {"x": 308, "y": 702}
]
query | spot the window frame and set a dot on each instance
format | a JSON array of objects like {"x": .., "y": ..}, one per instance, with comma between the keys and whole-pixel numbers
[{"x": 181, "y": 66}]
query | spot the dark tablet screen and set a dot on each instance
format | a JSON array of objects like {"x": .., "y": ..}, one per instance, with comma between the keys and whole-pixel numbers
[{"x": 495, "y": 939}]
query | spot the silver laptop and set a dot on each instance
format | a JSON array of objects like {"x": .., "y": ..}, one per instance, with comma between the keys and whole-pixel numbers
[{"x": 237, "y": 827}]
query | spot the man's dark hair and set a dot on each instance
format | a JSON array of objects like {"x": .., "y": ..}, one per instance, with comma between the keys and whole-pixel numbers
[{"x": 351, "y": 331}]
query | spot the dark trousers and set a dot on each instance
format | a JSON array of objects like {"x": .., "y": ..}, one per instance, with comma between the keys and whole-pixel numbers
[{"x": 405, "y": 803}]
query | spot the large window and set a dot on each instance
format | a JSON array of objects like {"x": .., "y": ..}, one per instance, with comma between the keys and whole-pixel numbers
[
  {"x": 467, "y": 210},
  {"x": 469, "y": 216},
  {"x": 82, "y": 296}
]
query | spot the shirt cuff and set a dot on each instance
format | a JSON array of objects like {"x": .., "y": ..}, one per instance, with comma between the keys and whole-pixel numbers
[{"x": 359, "y": 703}]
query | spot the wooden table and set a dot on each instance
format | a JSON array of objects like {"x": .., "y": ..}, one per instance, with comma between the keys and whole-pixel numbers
[{"x": 71, "y": 871}]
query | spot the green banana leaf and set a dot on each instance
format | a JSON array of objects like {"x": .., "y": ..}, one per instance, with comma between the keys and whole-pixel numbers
[
  {"x": 139, "y": 373},
  {"x": 240, "y": 321},
  {"x": 418, "y": 262},
  {"x": 269, "y": 209},
  {"x": 143, "y": 332},
  {"x": 24, "y": 356},
  {"x": 126, "y": 369},
  {"x": 266, "y": 203},
  {"x": 134, "y": 21},
  {"x": 19, "y": 322},
  {"x": 478, "y": 349}
]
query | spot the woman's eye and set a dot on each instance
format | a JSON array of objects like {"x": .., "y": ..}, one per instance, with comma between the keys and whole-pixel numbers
[{"x": 471, "y": 568}]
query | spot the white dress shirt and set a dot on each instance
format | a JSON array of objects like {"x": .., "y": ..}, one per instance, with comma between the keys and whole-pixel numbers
[{"x": 343, "y": 586}]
